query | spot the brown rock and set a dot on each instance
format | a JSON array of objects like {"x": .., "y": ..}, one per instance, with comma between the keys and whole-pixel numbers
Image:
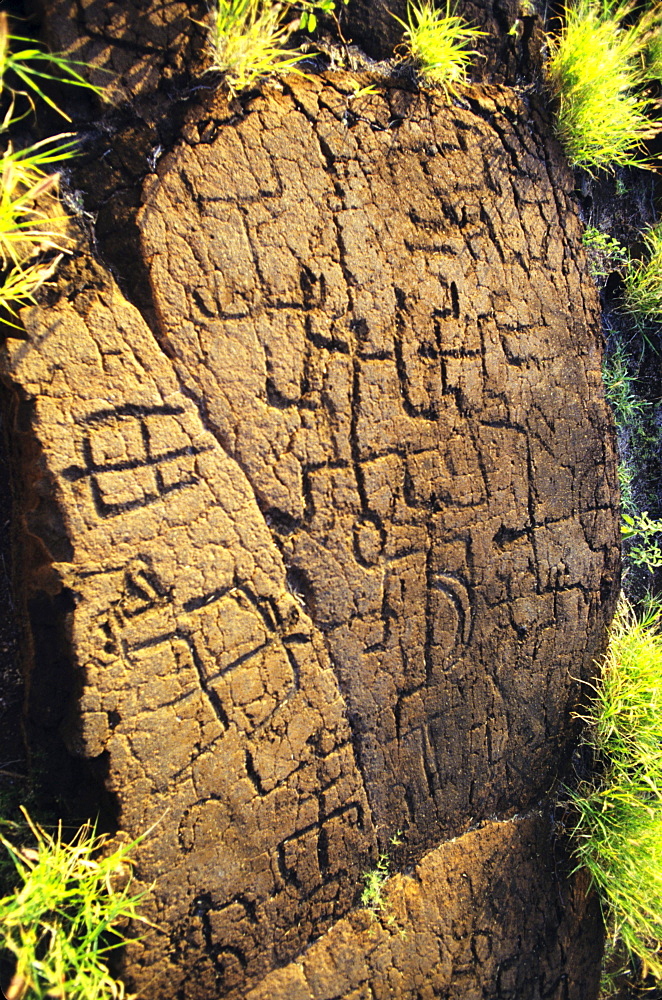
[
  {"x": 453, "y": 929},
  {"x": 136, "y": 49},
  {"x": 335, "y": 547},
  {"x": 386, "y": 326},
  {"x": 199, "y": 677},
  {"x": 507, "y": 50}
]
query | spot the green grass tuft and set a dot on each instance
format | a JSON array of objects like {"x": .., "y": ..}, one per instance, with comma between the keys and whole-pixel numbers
[
  {"x": 618, "y": 835},
  {"x": 621, "y": 389},
  {"x": 30, "y": 222},
  {"x": 248, "y": 39},
  {"x": 626, "y": 485},
  {"x": 20, "y": 284},
  {"x": 653, "y": 57},
  {"x": 439, "y": 43},
  {"x": 33, "y": 233},
  {"x": 596, "y": 71},
  {"x": 605, "y": 254},
  {"x": 643, "y": 279},
  {"x": 645, "y": 532},
  {"x": 372, "y": 896},
  {"x": 65, "y": 919},
  {"x": 24, "y": 68}
]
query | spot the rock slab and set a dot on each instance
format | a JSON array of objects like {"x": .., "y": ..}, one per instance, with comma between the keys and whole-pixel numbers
[
  {"x": 379, "y": 307},
  {"x": 336, "y": 538}
]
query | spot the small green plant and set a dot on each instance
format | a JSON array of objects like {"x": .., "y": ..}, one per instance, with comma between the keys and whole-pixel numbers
[
  {"x": 605, "y": 254},
  {"x": 596, "y": 73},
  {"x": 23, "y": 71},
  {"x": 372, "y": 896},
  {"x": 653, "y": 57},
  {"x": 248, "y": 39},
  {"x": 642, "y": 524},
  {"x": 439, "y": 43},
  {"x": 66, "y": 918},
  {"x": 647, "y": 552},
  {"x": 621, "y": 389},
  {"x": 359, "y": 91},
  {"x": 20, "y": 284},
  {"x": 626, "y": 483},
  {"x": 30, "y": 221},
  {"x": 309, "y": 12},
  {"x": 526, "y": 9},
  {"x": 618, "y": 835},
  {"x": 621, "y": 187},
  {"x": 643, "y": 279},
  {"x": 638, "y": 432}
]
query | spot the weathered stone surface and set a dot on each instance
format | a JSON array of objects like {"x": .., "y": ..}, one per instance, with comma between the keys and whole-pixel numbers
[
  {"x": 135, "y": 49},
  {"x": 11, "y": 688},
  {"x": 335, "y": 548},
  {"x": 453, "y": 929},
  {"x": 380, "y": 311},
  {"x": 200, "y": 677},
  {"x": 141, "y": 48}
]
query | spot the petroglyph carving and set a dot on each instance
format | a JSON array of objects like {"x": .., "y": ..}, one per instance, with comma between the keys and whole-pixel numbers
[
  {"x": 397, "y": 365},
  {"x": 340, "y": 534},
  {"x": 130, "y": 460},
  {"x": 200, "y": 677}
]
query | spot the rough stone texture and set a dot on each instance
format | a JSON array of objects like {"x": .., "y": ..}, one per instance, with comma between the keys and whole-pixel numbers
[
  {"x": 452, "y": 929},
  {"x": 11, "y": 689},
  {"x": 332, "y": 550},
  {"x": 380, "y": 311},
  {"x": 136, "y": 49},
  {"x": 139, "y": 49},
  {"x": 200, "y": 678}
]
